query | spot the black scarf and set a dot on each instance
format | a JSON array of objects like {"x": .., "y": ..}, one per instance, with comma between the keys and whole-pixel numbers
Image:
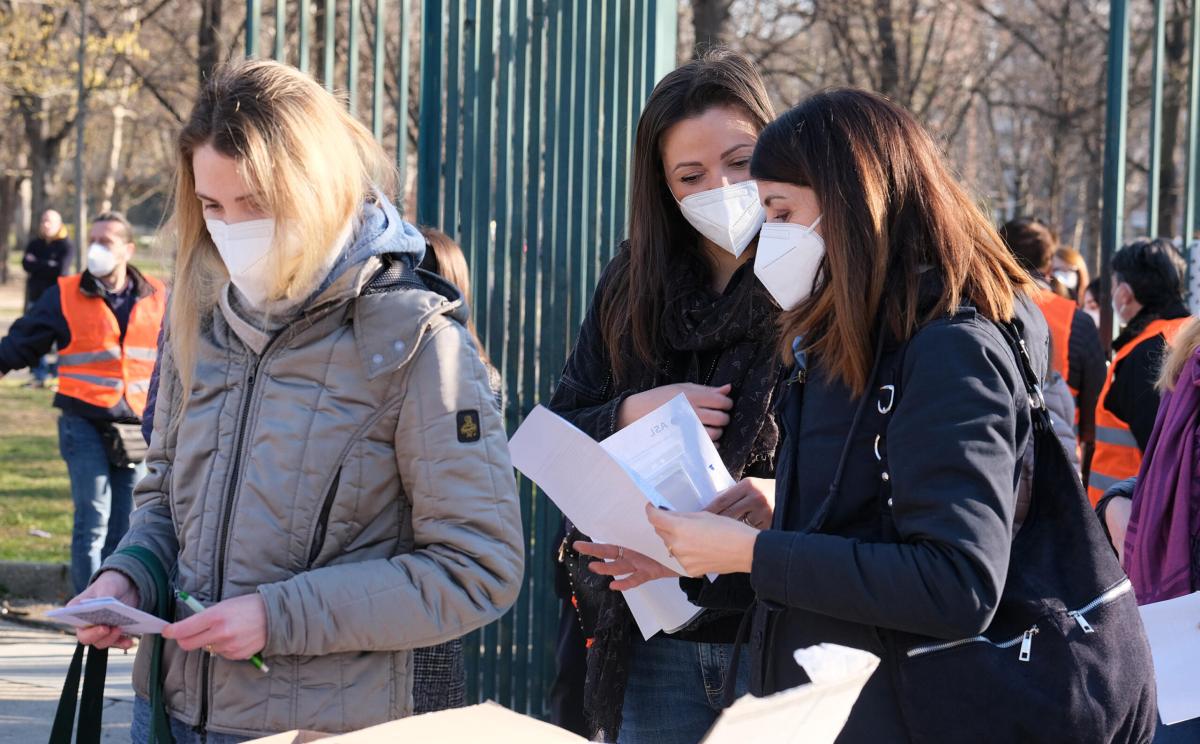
[
  {"x": 723, "y": 339},
  {"x": 1145, "y": 317}
]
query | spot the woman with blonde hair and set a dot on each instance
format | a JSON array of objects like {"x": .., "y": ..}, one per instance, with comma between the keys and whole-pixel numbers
[
  {"x": 1071, "y": 272},
  {"x": 329, "y": 473}
]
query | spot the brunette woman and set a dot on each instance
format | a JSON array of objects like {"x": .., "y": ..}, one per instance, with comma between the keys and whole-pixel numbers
[{"x": 678, "y": 311}]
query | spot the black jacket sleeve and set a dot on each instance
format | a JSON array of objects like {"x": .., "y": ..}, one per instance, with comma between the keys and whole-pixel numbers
[
  {"x": 953, "y": 445},
  {"x": 586, "y": 394},
  {"x": 1085, "y": 372},
  {"x": 31, "y": 336},
  {"x": 1133, "y": 397}
]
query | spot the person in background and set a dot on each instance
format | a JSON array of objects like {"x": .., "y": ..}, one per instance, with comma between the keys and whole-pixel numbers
[
  {"x": 1154, "y": 520},
  {"x": 1090, "y": 301},
  {"x": 1078, "y": 355},
  {"x": 329, "y": 473},
  {"x": 47, "y": 257},
  {"x": 1147, "y": 296},
  {"x": 1071, "y": 272},
  {"x": 105, "y": 323},
  {"x": 678, "y": 311}
]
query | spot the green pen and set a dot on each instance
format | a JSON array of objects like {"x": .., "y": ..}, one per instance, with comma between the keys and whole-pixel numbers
[{"x": 195, "y": 606}]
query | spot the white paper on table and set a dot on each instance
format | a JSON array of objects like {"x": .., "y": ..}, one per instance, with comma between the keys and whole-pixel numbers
[
  {"x": 108, "y": 611},
  {"x": 1173, "y": 628},
  {"x": 665, "y": 458},
  {"x": 809, "y": 714}
]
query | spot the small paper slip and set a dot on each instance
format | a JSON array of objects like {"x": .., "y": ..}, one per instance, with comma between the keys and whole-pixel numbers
[
  {"x": 1173, "y": 628},
  {"x": 108, "y": 611},
  {"x": 809, "y": 714},
  {"x": 665, "y": 458}
]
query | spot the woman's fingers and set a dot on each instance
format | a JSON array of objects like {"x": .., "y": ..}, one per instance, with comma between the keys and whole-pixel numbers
[
  {"x": 597, "y": 550},
  {"x": 100, "y": 636},
  {"x": 713, "y": 417},
  {"x": 714, "y": 433}
]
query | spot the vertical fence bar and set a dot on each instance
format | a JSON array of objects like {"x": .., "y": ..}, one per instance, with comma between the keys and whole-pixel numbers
[
  {"x": 454, "y": 52},
  {"x": 281, "y": 30},
  {"x": 429, "y": 145},
  {"x": 1113, "y": 212},
  {"x": 329, "y": 45},
  {"x": 402, "y": 80},
  {"x": 304, "y": 13},
  {"x": 1153, "y": 195},
  {"x": 577, "y": 248},
  {"x": 378, "y": 58},
  {"x": 666, "y": 31},
  {"x": 253, "y": 26},
  {"x": 352, "y": 60},
  {"x": 1193, "y": 118},
  {"x": 609, "y": 142},
  {"x": 625, "y": 122}
]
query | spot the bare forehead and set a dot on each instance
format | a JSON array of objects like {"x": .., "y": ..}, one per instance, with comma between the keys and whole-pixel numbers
[
  {"x": 108, "y": 231},
  {"x": 712, "y": 134}
]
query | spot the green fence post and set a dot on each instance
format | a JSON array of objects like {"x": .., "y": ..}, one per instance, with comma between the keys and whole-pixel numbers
[
  {"x": 1113, "y": 212},
  {"x": 281, "y": 30},
  {"x": 329, "y": 47},
  {"x": 1153, "y": 195},
  {"x": 352, "y": 56},
  {"x": 253, "y": 26},
  {"x": 452, "y": 163},
  {"x": 305, "y": 46},
  {"x": 429, "y": 145},
  {"x": 402, "y": 80},
  {"x": 378, "y": 58}
]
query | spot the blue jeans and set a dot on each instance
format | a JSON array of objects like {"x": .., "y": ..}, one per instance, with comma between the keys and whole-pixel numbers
[
  {"x": 676, "y": 689},
  {"x": 103, "y": 496},
  {"x": 139, "y": 731},
  {"x": 1184, "y": 732},
  {"x": 43, "y": 370}
]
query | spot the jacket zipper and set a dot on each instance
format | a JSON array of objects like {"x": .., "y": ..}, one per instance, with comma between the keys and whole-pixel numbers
[
  {"x": 227, "y": 517},
  {"x": 1116, "y": 592},
  {"x": 1026, "y": 639},
  {"x": 323, "y": 520}
]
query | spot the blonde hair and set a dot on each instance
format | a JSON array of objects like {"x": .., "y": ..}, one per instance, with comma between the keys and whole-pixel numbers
[
  {"x": 1187, "y": 343},
  {"x": 309, "y": 163}
]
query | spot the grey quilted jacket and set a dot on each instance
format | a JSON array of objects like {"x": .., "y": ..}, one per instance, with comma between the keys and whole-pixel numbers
[{"x": 356, "y": 475}]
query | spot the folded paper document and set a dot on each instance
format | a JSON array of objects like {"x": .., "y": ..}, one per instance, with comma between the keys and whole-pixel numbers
[{"x": 108, "y": 611}]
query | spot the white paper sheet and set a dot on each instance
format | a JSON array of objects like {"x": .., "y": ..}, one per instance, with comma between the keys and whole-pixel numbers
[
  {"x": 108, "y": 611},
  {"x": 665, "y": 459},
  {"x": 810, "y": 714},
  {"x": 1173, "y": 628}
]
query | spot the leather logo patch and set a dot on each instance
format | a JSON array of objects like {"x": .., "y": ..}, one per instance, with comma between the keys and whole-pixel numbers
[{"x": 468, "y": 426}]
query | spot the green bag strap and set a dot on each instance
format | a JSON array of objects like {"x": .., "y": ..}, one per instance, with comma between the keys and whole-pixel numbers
[{"x": 160, "y": 726}]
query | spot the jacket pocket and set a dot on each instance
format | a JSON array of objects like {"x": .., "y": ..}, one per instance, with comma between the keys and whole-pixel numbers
[{"x": 323, "y": 519}]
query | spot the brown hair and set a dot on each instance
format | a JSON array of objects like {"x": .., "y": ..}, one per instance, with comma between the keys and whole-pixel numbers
[
  {"x": 445, "y": 258},
  {"x": 1031, "y": 241},
  {"x": 119, "y": 219},
  {"x": 659, "y": 236},
  {"x": 891, "y": 210},
  {"x": 1069, "y": 255},
  {"x": 1187, "y": 343}
]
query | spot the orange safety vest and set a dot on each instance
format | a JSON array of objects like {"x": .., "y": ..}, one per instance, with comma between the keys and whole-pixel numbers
[
  {"x": 97, "y": 367},
  {"x": 1117, "y": 456},
  {"x": 1060, "y": 313}
]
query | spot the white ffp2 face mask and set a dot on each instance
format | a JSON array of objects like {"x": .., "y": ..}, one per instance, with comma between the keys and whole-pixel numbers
[
  {"x": 244, "y": 247},
  {"x": 100, "y": 261},
  {"x": 788, "y": 261},
  {"x": 729, "y": 216}
]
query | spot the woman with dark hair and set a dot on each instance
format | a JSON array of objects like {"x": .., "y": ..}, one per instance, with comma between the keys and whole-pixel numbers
[
  {"x": 678, "y": 311},
  {"x": 1147, "y": 296},
  {"x": 916, "y": 355}
]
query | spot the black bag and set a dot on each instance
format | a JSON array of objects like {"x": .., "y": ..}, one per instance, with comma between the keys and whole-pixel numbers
[
  {"x": 91, "y": 704},
  {"x": 1065, "y": 658},
  {"x": 123, "y": 443}
]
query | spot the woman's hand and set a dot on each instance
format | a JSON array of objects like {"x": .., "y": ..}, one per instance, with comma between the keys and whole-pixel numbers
[
  {"x": 705, "y": 543},
  {"x": 752, "y": 500},
  {"x": 235, "y": 629},
  {"x": 618, "y": 561},
  {"x": 1116, "y": 518},
  {"x": 108, "y": 584},
  {"x": 711, "y": 405}
]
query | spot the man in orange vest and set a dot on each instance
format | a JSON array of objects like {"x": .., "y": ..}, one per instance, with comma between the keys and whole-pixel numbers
[
  {"x": 1148, "y": 291},
  {"x": 105, "y": 322},
  {"x": 1077, "y": 353}
]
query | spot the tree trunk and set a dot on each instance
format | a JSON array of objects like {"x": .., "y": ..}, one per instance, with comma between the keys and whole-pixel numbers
[
  {"x": 1173, "y": 103},
  {"x": 9, "y": 185},
  {"x": 45, "y": 151},
  {"x": 710, "y": 19},
  {"x": 119, "y": 114},
  {"x": 209, "y": 38},
  {"x": 889, "y": 55}
]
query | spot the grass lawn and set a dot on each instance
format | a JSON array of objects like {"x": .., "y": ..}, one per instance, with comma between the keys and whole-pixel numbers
[{"x": 34, "y": 490}]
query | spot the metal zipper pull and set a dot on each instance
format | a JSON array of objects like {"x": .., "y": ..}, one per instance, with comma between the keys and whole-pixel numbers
[
  {"x": 1083, "y": 623},
  {"x": 1027, "y": 643}
]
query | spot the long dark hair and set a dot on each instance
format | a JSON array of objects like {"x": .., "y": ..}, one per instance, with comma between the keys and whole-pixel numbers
[
  {"x": 659, "y": 236},
  {"x": 891, "y": 211}
]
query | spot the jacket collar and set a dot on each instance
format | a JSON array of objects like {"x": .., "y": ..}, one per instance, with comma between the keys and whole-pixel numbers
[
  {"x": 91, "y": 286},
  {"x": 388, "y": 325}
]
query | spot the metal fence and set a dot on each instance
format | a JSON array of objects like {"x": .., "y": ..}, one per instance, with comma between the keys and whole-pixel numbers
[
  {"x": 1117, "y": 111},
  {"x": 527, "y": 110}
]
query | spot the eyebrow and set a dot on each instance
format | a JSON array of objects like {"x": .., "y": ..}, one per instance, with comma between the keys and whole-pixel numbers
[
  {"x": 242, "y": 198},
  {"x": 771, "y": 198},
  {"x": 724, "y": 155}
]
